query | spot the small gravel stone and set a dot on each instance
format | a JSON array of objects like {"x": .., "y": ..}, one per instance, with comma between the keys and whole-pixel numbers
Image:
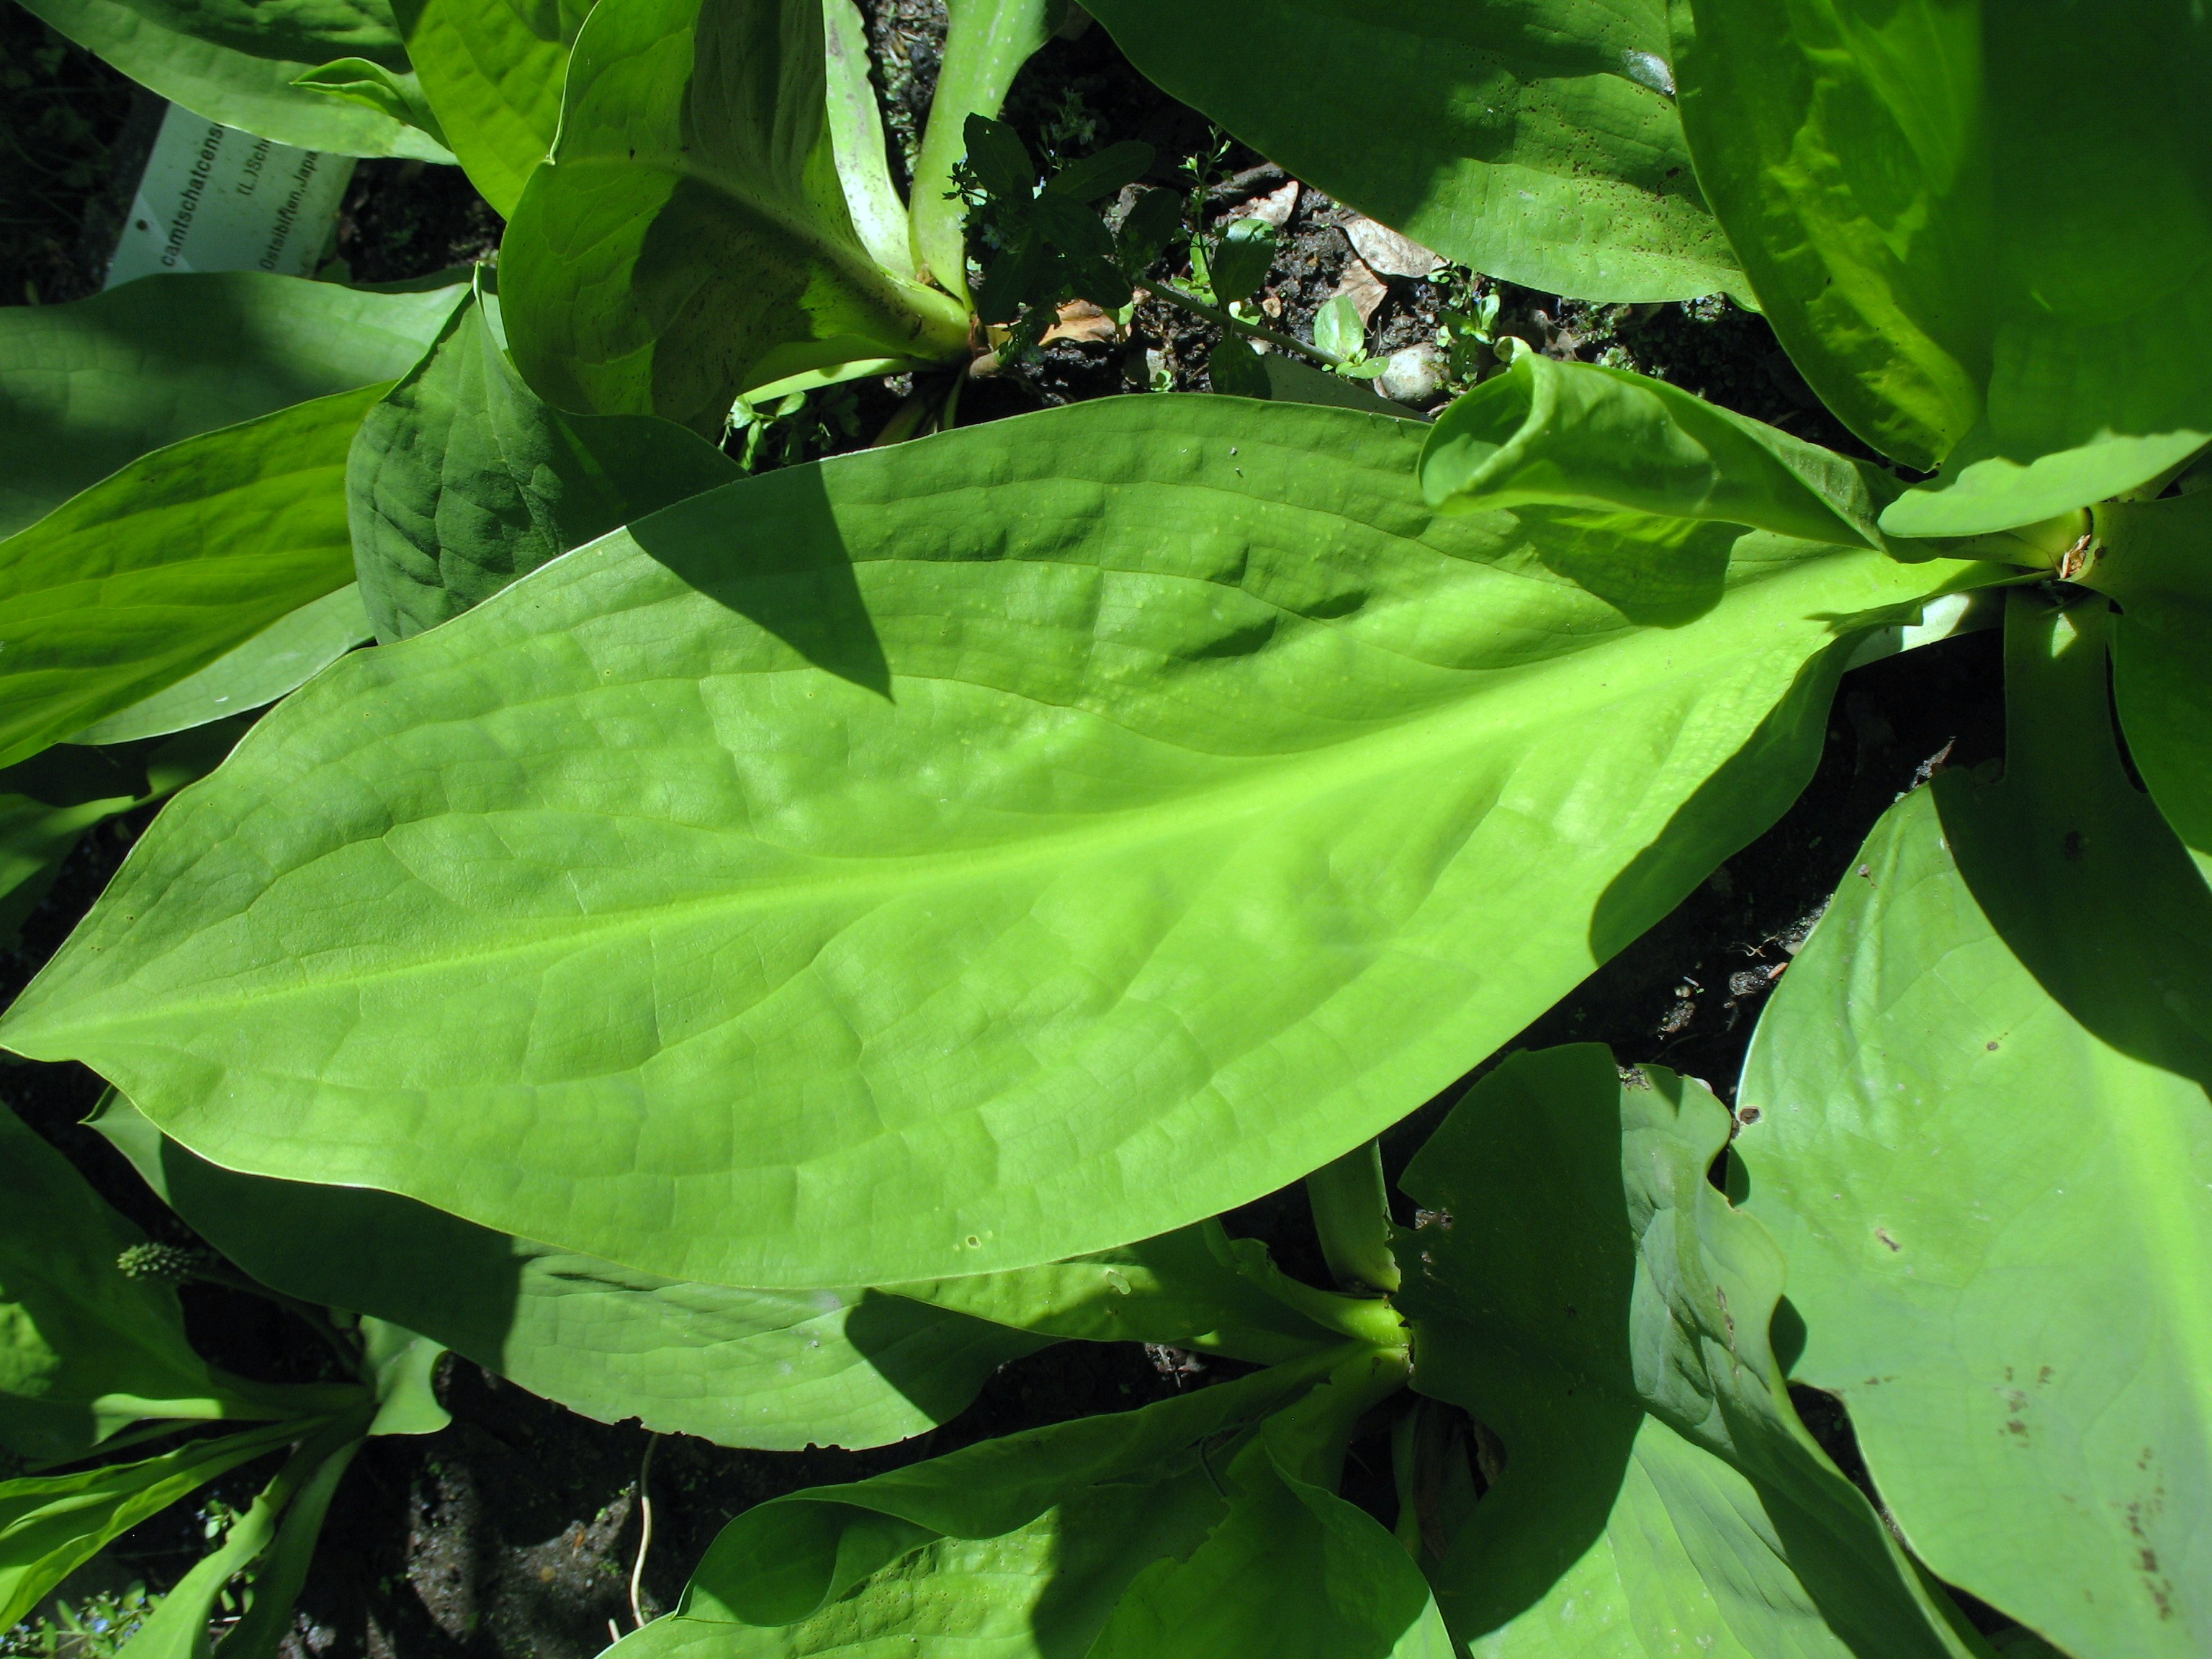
[{"x": 1412, "y": 375}]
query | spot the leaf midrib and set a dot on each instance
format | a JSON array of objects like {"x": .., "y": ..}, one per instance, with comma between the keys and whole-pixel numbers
[{"x": 1397, "y": 748}]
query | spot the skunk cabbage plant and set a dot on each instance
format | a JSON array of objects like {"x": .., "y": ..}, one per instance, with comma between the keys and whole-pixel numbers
[{"x": 757, "y": 951}]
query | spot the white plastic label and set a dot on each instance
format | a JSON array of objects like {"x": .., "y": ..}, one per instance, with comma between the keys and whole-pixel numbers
[{"x": 215, "y": 199}]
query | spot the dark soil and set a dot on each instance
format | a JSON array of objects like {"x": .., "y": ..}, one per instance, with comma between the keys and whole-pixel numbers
[
  {"x": 63, "y": 116},
  {"x": 513, "y": 1532},
  {"x": 407, "y": 219}
]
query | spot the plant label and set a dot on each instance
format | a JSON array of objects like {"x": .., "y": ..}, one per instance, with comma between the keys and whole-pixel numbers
[{"x": 215, "y": 199}]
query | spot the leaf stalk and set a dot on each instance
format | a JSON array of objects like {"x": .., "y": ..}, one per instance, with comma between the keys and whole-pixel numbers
[
  {"x": 1352, "y": 1212},
  {"x": 986, "y": 44},
  {"x": 1199, "y": 307}
]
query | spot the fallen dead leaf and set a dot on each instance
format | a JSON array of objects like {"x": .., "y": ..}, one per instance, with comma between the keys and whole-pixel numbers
[
  {"x": 1274, "y": 208},
  {"x": 1362, "y": 286},
  {"x": 1387, "y": 252},
  {"x": 1081, "y": 320}
]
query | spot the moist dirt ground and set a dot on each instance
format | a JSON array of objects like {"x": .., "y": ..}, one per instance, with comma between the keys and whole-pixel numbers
[{"x": 513, "y": 1533}]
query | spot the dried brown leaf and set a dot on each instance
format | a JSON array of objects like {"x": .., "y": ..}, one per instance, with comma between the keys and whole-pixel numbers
[
  {"x": 1362, "y": 286},
  {"x": 1386, "y": 250}
]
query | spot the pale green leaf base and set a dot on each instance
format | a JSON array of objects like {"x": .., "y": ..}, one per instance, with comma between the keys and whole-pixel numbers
[{"x": 689, "y": 238}]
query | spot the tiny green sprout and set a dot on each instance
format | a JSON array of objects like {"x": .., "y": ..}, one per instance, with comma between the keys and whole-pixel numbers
[
  {"x": 795, "y": 428},
  {"x": 96, "y": 1628},
  {"x": 1340, "y": 332},
  {"x": 1467, "y": 329},
  {"x": 1243, "y": 255}
]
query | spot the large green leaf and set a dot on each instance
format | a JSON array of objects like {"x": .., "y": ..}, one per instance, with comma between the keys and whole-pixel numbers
[
  {"x": 957, "y": 856},
  {"x": 235, "y": 61},
  {"x": 1201, "y": 1526},
  {"x": 689, "y": 238},
  {"x": 52, "y": 1525},
  {"x": 788, "y": 1559},
  {"x": 1609, "y": 1322},
  {"x": 2157, "y": 561},
  {"x": 1579, "y": 435},
  {"x": 50, "y": 800},
  {"x": 275, "y": 662},
  {"x": 748, "y": 1367},
  {"x": 1039, "y": 1590},
  {"x": 1534, "y": 140},
  {"x": 1982, "y": 231},
  {"x": 88, "y": 387},
  {"x": 176, "y": 560},
  {"x": 85, "y": 1349},
  {"x": 1293, "y": 1569},
  {"x": 462, "y": 480},
  {"x": 1983, "y": 1136},
  {"x": 493, "y": 69}
]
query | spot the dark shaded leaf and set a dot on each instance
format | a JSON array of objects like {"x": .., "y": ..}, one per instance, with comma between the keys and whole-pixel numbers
[
  {"x": 1000, "y": 159},
  {"x": 462, "y": 479},
  {"x": 1610, "y": 1323},
  {"x": 1235, "y": 368},
  {"x": 1104, "y": 174}
]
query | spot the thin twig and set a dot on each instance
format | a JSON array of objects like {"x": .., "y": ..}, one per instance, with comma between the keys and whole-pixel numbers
[
  {"x": 644, "y": 1533},
  {"x": 1253, "y": 181},
  {"x": 1192, "y": 303}
]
